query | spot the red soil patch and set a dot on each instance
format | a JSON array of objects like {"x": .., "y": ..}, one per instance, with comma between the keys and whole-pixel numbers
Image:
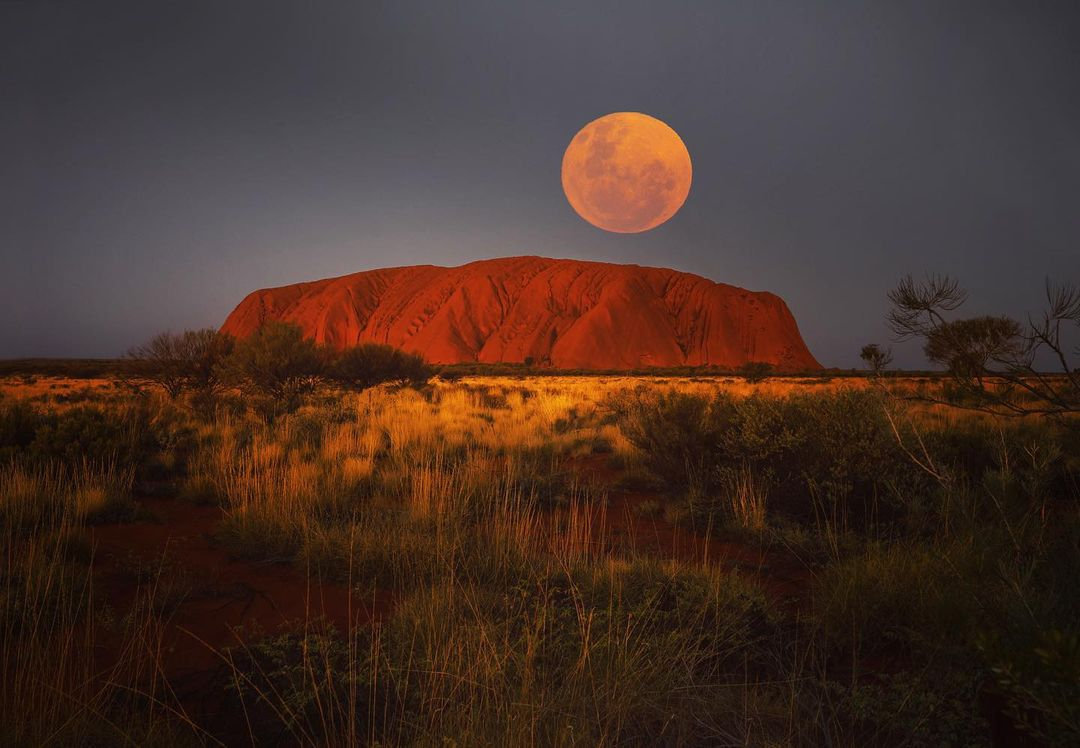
[
  {"x": 563, "y": 313},
  {"x": 203, "y": 594},
  {"x": 782, "y": 575}
]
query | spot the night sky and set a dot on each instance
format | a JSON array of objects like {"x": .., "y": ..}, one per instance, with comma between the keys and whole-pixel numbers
[{"x": 158, "y": 161}]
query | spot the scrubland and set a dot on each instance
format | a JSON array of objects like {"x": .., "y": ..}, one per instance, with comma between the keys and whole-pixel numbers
[{"x": 552, "y": 561}]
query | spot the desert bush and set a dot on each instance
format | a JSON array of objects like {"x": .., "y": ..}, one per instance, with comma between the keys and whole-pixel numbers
[
  {"x": 276, "y": 366},
  {"x": 678, "y": 433},
  {"x": 899, "y": 596},
  {"x": 876, "y": 358},
  {"x": 520, "y": 614},
  {"x": 836, "y": 449},
  {"x": 19, "y": 423},
  {"x": 370, "y": 364},
  {"x": 1032, "y": 649},
  {"x": 843, "y": 454},
  {"x": 931, "y": 706},
  {"x": 994, "y": 361},
  {"x": 311, "y": 686},
  {"x": 98, "y": 434},
  {"x": 756, "y": 371},
  {"x": 188, "y": 361},
  {"x": 1041, "y": 683},
  {"x": 638, "y": 654},
  {"x": 995, "y": 605}
]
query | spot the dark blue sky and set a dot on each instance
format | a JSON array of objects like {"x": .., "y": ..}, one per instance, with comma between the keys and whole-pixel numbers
[{"x": 160, "y": 160}]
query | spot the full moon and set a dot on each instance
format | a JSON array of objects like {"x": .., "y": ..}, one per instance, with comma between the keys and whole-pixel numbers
[{"x": 626, "y": 172}]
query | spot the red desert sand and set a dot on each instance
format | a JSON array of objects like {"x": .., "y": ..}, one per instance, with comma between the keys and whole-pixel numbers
[{"x": 567, "y": 314}]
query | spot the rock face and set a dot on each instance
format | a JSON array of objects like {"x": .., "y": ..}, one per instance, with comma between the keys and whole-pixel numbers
[{"x": 561, "y": 313}]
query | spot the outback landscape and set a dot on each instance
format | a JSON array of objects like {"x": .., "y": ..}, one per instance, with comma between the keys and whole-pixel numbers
[
  {"x": 266, "y": 540},
  {"x": 569, "y": 373}
]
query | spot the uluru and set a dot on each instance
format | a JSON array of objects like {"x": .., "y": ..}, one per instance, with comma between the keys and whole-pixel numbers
[{"x": 565, "y": 314}]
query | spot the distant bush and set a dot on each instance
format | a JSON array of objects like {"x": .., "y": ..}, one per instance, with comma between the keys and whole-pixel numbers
[
  {"x": 279, "y": 367},
  {"x": 188, "y": 361},
  {"x": 75, "y": 368},
  {"x": 371, "y": 364},
  {"x": 875, "y": 357},
  {"x": 756, "y": 371}
]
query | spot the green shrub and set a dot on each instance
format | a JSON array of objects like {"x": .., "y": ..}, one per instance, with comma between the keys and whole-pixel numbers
[
  {"x": 1032, "y": 650},
  {"x": 307, "y": 687},
  {"x": 277, "y": 366},
  {"x": 678, "y": 434},
  {"x": 19, "y": 423},
  {"x": 96, "y": 434},
  {"x": 370, "y": 364},
  {"x": 1041, "y": 684},
  {"x": 932, "y": 707},
  {"x": 756, "y": 371},
  {"x": 642, "y": 655},
  {"x": 901, "y": 596},
  {"x": 836, "y": 449}
]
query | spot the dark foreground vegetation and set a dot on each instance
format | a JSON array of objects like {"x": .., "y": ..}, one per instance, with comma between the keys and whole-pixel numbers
[{"x": 554, "y": 561}]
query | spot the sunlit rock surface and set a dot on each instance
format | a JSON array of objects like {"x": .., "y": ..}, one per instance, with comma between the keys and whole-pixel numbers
[{"x": 561, "y": 313}]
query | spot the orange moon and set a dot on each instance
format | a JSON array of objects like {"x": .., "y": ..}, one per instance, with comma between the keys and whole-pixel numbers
[{"x": 626, "y": 172}]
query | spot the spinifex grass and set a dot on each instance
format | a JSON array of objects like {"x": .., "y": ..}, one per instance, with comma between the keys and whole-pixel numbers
[{"x": 516, "y": 602}]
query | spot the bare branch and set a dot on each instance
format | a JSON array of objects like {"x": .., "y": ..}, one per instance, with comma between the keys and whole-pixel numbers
[
  {"x": 917, "y": 305},
  {"x": 992, "y": 360},
  {"x": 1063, "y": 300}
]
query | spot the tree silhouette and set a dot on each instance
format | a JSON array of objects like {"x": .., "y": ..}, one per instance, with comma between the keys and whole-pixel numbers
[
  {"x": 188, "y": 361},
  {"x": 992, "y": 360},
  {"x": 756, "y": 371},
  {"x": 371, "y": 364},
  {"x": 876, "y": 357},
  {"x": 276, "y": 365}
]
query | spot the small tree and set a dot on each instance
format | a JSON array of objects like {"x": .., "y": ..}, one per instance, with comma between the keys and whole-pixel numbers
[
  {"x": 968, "y": 348},
  {"x": 278, "y": 366},
  {"x": 371, "y": 364},
  {"x": 992, "y": 360},
  {"x": 756, "y": 371},
  {"x": 190, "y": 360},
  {"x": 876, "y": 357},
  {"x": 210, "y": 350}
]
